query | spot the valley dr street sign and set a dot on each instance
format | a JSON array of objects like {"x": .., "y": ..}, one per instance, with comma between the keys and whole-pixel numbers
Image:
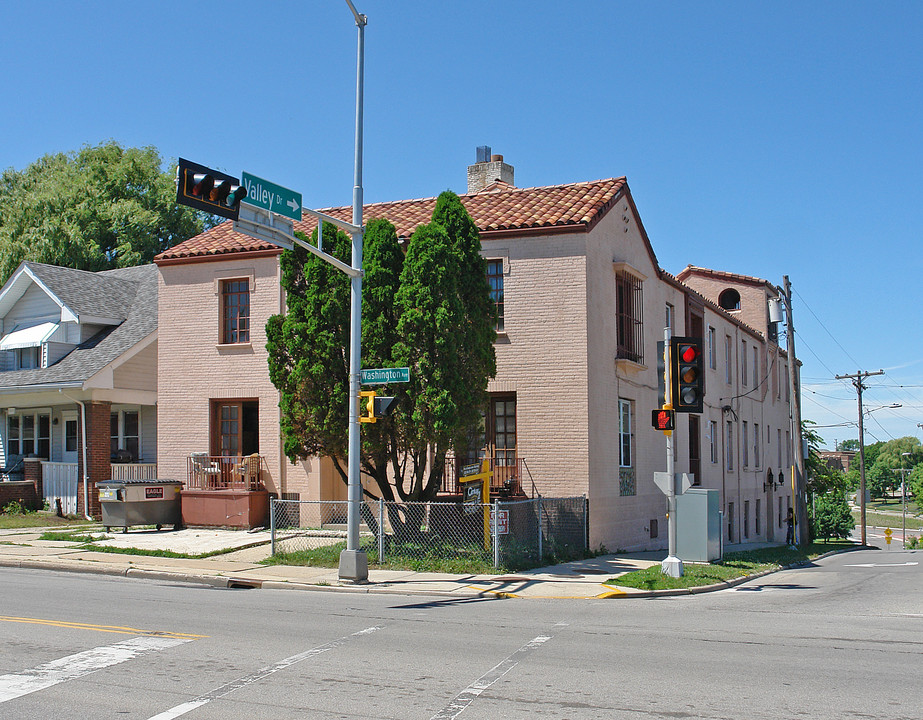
[{"x": 270, "y": 196}]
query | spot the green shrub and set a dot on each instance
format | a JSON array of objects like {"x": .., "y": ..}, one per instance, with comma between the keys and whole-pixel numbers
[{"x": 831, "y": 517}]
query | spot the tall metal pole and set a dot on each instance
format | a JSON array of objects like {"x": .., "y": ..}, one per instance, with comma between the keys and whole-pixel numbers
[
  {"x": 799, "y": 490},
  {"x": 857, "y": 382},
  {"x": 672, "y": 565},
  {"x": 353, "y": 561}
]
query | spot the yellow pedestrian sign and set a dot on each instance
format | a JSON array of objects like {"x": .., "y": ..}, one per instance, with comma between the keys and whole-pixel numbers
[{"x": 888, "y": 535}]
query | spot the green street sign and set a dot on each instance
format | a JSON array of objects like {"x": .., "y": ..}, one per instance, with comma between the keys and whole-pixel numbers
[
  {"x": 272, "y": 197},
  {"x": 382, "y": 376}
]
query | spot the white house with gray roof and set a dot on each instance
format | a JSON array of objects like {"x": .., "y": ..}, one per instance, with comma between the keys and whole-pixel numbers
[{"x": 78, "y": 373}]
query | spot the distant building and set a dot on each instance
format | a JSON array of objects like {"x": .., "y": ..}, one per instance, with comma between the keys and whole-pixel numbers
[{"x": 838, "y": 459}]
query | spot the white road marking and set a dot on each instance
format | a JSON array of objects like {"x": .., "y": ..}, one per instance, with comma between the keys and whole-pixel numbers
[
  {"x": 465, "y": 698},
  {"x": 871, "y": 565},
  {"x": 186, "y": 707},
  {"x": 74, "y": 666}
]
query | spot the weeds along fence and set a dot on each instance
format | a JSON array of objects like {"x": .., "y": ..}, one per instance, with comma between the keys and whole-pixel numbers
[{"x": 510, "y": 534}]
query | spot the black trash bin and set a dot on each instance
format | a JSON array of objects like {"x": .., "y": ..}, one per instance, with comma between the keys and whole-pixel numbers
[{"x": 140, "y": 502}]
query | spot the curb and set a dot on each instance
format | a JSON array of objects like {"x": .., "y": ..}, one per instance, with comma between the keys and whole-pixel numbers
[{"x": 231, "y": 582}]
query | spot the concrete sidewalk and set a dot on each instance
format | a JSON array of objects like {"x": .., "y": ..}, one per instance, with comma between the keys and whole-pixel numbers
[{"x": 239, "y": 566}]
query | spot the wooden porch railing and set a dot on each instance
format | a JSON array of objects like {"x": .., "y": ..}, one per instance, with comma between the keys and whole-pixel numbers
[
  {"x": 134, "y": 471},
  {"x": 224, "y": 472}
]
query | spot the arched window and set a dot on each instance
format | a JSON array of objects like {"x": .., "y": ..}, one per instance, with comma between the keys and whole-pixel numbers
[{"x": 729, "y": 299}]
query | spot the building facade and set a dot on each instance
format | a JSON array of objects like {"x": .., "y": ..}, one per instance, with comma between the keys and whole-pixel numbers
[{"x": 583, "y": 304}]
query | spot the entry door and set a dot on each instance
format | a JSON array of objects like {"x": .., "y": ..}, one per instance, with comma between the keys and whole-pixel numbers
[
  {"x": 69, "y": 441},
  {"x": 235, "y": 428}
]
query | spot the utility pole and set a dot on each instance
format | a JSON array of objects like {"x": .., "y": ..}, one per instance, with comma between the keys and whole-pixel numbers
[
  {"x": 799, "y": 490},
  {"x": 858, "y": 384}
]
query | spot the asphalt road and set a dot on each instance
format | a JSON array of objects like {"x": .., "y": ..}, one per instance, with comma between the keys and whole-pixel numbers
[{"x": 842, "y": 639}]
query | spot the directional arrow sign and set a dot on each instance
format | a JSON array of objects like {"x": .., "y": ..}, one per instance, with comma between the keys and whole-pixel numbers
[{"x": 272, "y": 197}]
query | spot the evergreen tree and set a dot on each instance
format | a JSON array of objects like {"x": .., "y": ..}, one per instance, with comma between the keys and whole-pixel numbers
[{"x": 426, "y": 311}]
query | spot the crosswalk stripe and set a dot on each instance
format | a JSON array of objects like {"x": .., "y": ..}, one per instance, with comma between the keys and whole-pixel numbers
[
  {"x": 74, "y": 666},
  {"x": 186, "y": 707}
]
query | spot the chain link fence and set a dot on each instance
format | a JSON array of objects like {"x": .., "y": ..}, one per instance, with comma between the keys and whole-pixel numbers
[{"x": 510, "y": 534}]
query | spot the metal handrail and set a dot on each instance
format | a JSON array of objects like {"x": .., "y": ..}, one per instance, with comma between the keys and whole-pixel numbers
[{"x": 224, "y": 472}]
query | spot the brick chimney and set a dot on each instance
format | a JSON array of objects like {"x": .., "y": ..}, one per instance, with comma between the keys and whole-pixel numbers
[{"x": 488, "y": 170}]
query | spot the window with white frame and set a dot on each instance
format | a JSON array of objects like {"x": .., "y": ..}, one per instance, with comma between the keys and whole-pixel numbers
[
  {"x": 668, "y": 319},
  {"x": 713, "y": 441},
  {"x": 756, "y": 365},
  {"x": 28, "y": 433},
  {"x": 756, "y": 445},
  {"x": 728, "y": 358},
  {"x": 729, "y": 444},
  {"x": 711, "y": 348},
  {"x": 743, "y": 362},
  {"x": 627, "y": 486},
  {"x": 124, "y": 433},
  {"x": 744, "y": 444},
  {"x": 625, "y": 459},
  {"x": 495, "y": 281}
]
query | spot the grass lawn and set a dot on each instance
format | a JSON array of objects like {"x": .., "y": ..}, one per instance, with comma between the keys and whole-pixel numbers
[
  {"x": 734, "y": 565},
  {"x": 329, "y": 556},
  {"x": 40, "y": 518},
  {"x": 891, "y": 521},
  {"x": 893, "y": 505}
]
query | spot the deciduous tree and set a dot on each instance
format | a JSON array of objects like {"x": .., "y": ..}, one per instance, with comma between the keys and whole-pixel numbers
[{"x": 99, "y": 208}]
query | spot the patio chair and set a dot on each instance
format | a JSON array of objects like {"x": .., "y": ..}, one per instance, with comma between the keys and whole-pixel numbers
[
  {"x": 249, "y": 470},
  {"x": 206, "y": 473}
]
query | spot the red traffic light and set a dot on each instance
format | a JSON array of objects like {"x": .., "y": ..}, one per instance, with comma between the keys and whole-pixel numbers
[{"x": 687, "y": 374}]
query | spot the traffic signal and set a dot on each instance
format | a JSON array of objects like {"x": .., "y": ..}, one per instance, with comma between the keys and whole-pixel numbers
[
  {"x": 687, "y": 376},
  {"x": 205, "y": 189},
  {"x": 376, "y": 407},
  {"x": 663, "y": 419}
]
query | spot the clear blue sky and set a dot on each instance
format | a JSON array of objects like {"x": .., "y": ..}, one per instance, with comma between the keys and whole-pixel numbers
[{"x": 767, "y": 139}]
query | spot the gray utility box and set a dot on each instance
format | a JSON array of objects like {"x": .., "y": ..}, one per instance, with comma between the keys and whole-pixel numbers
[
  {"x": 140, "y": 502},
  {"x": 698, "y": 525}
]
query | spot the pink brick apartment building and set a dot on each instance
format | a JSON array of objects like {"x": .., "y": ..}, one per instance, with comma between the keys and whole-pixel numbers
[{"x": 583, "y": 303}]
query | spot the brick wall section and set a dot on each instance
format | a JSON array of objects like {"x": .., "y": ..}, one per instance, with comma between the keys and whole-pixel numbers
[
  {"x": 32, "y": 472},
  {"x": 21, "y": 491},
  {"x": 98, "y": 452}
]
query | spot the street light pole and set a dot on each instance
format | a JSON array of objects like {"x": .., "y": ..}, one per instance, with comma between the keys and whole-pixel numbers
[{"x": 353, "y": 561}]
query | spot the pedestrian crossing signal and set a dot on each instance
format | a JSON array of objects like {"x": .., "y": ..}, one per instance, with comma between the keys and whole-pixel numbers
[{"x": 663, "y": 419}]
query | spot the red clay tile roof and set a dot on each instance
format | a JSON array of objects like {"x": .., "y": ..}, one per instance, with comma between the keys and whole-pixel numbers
[{"x": 574, "y": 207}]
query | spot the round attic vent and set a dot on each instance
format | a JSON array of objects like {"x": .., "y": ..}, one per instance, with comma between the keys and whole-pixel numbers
[{"x": 729, "y": 299}]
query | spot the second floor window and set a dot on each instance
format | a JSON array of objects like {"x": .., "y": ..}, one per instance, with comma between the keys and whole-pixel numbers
[
  {"x": 625, "y": 433},
  {"x": 629, "y": 343},
  {"x": 495, "y": 280},
  {"x": 711, "y": 348},
  {"x": 235, "y": 311}
]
